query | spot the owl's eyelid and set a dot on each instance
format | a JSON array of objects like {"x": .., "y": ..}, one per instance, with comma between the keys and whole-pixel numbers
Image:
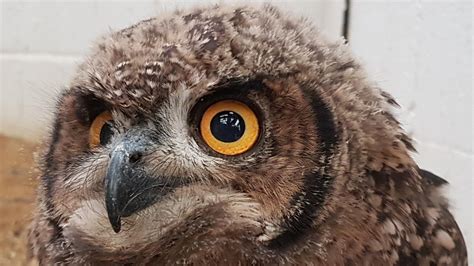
[
  {"x": 87, "y": 106},
  {"x": 237, "y": 86},
  {"x": 232, "y": 89}
]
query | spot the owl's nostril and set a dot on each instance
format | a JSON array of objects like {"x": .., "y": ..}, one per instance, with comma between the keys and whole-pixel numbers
[{"x": 135, "y": 157}]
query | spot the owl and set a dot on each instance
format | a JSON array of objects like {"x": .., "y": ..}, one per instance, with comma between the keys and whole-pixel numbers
[{"x": 233, "y": 136}]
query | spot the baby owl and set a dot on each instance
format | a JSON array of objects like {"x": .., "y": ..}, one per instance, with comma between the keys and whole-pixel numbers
[{"x": 233, "y": 136}]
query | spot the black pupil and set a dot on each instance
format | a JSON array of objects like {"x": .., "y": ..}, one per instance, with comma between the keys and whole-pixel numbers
[
  {"x": 227, "y": 126},
  {"x": 106, "y": 133}
]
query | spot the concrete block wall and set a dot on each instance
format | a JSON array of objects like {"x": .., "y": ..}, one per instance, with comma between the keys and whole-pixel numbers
[{"x": 420, "y": 51}]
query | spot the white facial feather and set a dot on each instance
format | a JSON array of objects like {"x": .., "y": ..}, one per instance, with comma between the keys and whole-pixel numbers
[{"x": 89, "y": 222}]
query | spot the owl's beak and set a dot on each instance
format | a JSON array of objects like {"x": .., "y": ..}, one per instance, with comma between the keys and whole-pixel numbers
[
  {"x": 114, "y": 197},
  {"x": 116, "y": 186},
  {"x": 128, "y": 188}
]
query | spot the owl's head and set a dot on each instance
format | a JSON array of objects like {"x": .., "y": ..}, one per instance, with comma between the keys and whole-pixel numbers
[{"x": 235, "y": 124}]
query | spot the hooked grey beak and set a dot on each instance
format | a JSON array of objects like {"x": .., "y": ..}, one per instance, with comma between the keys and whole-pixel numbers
[
  {"x": 116, "y": 186},
  {"x": 128, "y": 188}
]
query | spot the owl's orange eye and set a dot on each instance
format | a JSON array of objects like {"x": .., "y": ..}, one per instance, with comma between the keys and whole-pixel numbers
[
  {"x": 229, "y": 127},
  {"x": 100, "y": 132}
]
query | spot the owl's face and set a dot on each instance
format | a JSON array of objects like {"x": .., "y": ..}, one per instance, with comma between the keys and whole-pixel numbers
[{"x": 220, "y": 120}]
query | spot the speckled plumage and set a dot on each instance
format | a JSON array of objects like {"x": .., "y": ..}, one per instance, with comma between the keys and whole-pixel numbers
[{"x": 330, "y": 182}]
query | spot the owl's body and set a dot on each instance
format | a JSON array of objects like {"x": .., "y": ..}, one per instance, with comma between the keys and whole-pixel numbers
[{"x": 328, "y": 178}]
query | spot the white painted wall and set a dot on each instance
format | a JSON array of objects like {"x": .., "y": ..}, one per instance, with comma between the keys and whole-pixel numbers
[{"x": 420, "y": 51}]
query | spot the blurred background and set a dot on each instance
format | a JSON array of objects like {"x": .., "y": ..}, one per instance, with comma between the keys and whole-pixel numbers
[{"x": 419, "y": 51}]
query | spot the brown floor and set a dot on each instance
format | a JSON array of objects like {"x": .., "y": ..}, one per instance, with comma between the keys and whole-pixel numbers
[{"x": 17, "y": 193}]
